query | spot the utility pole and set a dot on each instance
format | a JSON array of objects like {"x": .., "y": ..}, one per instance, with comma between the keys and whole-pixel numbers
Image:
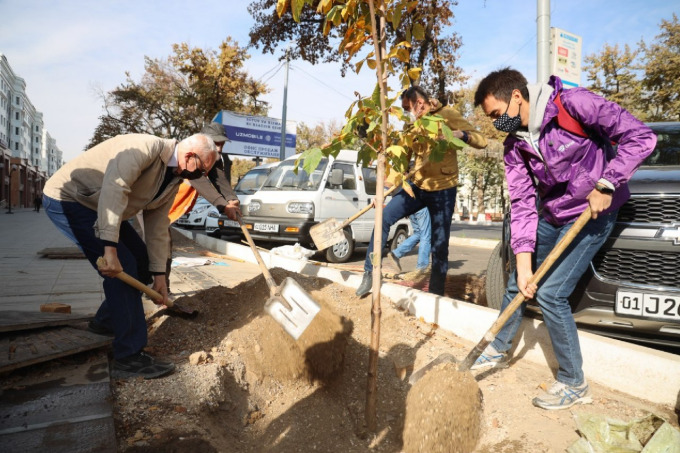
[
  {"x": 543, "y": 40},
  {"x": 282, "y": 150}
]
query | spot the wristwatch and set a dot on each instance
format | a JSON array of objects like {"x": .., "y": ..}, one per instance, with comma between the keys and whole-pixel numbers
[{"x": 604, "y": 189}]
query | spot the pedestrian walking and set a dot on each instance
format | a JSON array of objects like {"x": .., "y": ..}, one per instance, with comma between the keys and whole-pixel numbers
[{"x": 553, "y": 175}]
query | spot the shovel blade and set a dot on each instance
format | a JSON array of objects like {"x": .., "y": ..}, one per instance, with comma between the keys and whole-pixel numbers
[
  {"x": 293, "y": 308},
  {"x": 442, "y": 358},
  {"x": 327, "y": 233}
]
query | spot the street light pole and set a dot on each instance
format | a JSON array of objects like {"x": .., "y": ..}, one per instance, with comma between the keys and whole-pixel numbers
[{"x": 12, "y": 170}]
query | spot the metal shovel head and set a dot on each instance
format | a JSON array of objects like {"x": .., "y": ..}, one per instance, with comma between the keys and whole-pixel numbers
[
  {"x": 442, "y": 358},
  {"x": 327, "y": 233},
  {"x": 292, "y": 307}
]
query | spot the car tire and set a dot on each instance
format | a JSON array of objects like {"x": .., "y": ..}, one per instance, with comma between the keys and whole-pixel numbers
[
  {"x": 495, "y": 278},
  {"x": 399, "y": 236},
  {"x": 342, "y": 252}
]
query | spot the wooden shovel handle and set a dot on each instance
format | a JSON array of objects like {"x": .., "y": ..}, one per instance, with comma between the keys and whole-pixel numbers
[
  {"x": 545, "y": 266},
  {"x": 367, "y": 208},
  {"x": 267, "y": 276},
  {"x": 130, "y": 280}
]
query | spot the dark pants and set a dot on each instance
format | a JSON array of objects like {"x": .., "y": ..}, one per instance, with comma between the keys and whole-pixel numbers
[
  {"x": 121, "y": 311},
  {"x": 440, "y": 205}
]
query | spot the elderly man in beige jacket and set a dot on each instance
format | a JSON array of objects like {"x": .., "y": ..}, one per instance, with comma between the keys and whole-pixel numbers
[{"x": 90, "y": 199}]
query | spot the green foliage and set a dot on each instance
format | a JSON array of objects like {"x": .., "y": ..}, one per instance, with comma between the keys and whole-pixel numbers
[
  {"x": 177, "y": 95},
  {"x": 662, "y": 72}
]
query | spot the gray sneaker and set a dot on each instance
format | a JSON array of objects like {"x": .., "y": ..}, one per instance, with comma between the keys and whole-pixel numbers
[
  {"x": 561, "y": 396},
  {"x": 366, "y": 284},
  {"x": 490, "y": 358}
]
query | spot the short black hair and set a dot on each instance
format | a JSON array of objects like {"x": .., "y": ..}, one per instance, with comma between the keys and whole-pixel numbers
[
  {"x": 500, "y": 84},
  {"x": 413, "y": 93}
]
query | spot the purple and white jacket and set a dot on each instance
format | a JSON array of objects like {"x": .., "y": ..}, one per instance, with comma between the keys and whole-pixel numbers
[{"x": 561, "y": 168}]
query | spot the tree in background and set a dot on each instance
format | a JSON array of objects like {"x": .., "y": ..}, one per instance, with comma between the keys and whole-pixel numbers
[
  {"x": 177, "y": 95},
  {"x": 424, "y": 24},
  {"x": 612, "y": 74},
  {"x": 307, "y": 137},
  {"x": 662, "y": 73}
]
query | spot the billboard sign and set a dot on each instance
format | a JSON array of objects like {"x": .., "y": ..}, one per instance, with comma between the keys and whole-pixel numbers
[
  {"x": 565, "y": 57},
  {"x": 256, "y": 136}
]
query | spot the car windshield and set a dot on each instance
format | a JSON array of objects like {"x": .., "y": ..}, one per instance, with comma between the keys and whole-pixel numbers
[
  {"x": 251, "y": 181},
  {"x": 285, "y": 178},
  {"x": 667, "y": 151}
]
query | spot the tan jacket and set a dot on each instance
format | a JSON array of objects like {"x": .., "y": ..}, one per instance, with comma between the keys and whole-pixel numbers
[
  {"x": 443, "y": 174},
  {"x": 118, "y": 178}
]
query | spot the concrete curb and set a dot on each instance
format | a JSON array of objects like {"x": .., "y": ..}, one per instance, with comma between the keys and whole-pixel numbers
[{"x": 656, "y": 378}]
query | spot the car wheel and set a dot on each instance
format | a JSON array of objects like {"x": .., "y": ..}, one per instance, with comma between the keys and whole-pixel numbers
[
  {"x": 399, "y": 237},
  {"x": 341, "y": 252},
  {"x": 495, "y": 279}
]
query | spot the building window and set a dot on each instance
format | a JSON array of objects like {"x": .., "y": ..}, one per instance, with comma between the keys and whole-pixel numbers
[
  {"x": 17, "y": 100},
  {"x": 16, "y": 146},
  {"x": 16, "y": 115},
  {"x": 16, "y": 130}
]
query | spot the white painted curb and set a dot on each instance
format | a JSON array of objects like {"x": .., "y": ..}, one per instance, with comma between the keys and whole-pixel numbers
[{"x": 638, "y": 371}]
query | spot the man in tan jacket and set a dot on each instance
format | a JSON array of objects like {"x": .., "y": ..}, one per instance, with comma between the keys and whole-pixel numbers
[
  {"x": 434, "y": 186},
  {"x": 90, "y": 199}
]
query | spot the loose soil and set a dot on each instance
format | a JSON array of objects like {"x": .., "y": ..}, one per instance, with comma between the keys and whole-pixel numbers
[{"x": 243, "y": 385}]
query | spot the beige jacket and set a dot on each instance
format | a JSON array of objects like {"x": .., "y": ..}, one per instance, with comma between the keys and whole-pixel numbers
[
  {"x": 118, "y": 178},
  {"x": 443, "y": 174}
]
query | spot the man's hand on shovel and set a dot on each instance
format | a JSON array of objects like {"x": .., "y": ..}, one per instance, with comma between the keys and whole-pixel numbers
[
  {"x": 115, "y": 270},
  {"x": 109, "y": 265},
  {"x": 160, "y": 285}
]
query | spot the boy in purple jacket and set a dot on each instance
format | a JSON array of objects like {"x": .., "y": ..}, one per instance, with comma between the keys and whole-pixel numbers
[{"x": 553, "y": 175}]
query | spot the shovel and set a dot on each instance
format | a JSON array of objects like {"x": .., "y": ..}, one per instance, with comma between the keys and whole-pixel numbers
[
  {"x": 330, "y": 232},
  {"x": 173, "y": 307},
  {"x": 289, "y": 304},
  {"x": 490, "y": 335}
]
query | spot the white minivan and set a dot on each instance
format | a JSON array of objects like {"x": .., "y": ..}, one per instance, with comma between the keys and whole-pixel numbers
[{"x": 289, "y": 204}]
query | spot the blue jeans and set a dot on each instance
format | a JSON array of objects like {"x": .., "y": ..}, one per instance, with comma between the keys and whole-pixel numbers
[
  {"x": 422, "y": 232},
  {"x": 440, "y": 205},
  {"x": 122, "y": 310},
  {"x": 554, "y": 289}
]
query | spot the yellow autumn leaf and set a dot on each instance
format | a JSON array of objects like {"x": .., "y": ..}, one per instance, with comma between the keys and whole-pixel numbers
[
  {"x": 414, "y": 73},
  {"x": 371, "y": 63},
  {"x": 418, "y": 32},
  {"x": 281, "y": 7}
]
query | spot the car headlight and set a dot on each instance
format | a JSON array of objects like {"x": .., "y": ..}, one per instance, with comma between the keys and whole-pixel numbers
[
  {"x": 254, "y": 206},
  {"x": 200, "y": 209},
  {"x": 297, "y": 207},
  {"x": 213, "y": 214}
]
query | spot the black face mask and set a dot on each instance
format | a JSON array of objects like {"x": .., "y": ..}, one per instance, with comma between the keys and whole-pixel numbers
[
  {"x": 191, "y": 175},
  {"x": 505, "y": 123}
]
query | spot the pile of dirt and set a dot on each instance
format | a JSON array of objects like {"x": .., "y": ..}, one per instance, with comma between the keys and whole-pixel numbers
[{"x": 443, "y": 412}]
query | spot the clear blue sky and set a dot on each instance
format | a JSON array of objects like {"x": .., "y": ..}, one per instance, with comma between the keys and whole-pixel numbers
[{"x": 68, "y": 50}]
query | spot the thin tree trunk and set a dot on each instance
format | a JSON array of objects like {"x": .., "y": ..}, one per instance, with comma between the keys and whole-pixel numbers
[{"x": 371, "y": 390}]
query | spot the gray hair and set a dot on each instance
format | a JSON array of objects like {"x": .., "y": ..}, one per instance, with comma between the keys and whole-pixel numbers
[{"x": 202, "y": 145}]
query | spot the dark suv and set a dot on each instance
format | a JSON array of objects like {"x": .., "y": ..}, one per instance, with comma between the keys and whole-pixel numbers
[{"x": 632, "y": 288}]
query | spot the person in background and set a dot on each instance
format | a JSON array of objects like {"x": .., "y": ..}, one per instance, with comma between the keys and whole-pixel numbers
[
  {"x": 434, "y": 186},
  {"x": 90, "y": 199},
  {"x": 422, "y": 232},
  {"x": 553, "y": 176},
  {"x": 215, "y": 187}
]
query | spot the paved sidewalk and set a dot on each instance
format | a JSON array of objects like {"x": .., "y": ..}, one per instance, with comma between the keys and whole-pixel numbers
[{"x": 84, "y": 422}]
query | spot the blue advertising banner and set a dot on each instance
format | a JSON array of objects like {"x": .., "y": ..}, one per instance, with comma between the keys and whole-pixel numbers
[{"x": 257, "y": 136}]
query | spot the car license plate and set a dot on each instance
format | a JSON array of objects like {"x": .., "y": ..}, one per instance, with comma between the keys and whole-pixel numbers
[
  {"x": 266, "y": 227},
  {"x": 648, "y": 305},
  {"x": 231, "y": 223}
]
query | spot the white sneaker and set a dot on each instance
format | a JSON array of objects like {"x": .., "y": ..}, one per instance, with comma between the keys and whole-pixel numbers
[
  {"x": 562, "y": 396},
  {"x": 490, "y": 358}
]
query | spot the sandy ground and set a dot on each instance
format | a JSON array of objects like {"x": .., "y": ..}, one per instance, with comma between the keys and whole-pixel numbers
[{"x": 243, "y": 385}]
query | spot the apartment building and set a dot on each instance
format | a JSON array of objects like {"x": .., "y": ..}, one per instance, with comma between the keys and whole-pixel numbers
[{"x": 28, "y": 154}]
